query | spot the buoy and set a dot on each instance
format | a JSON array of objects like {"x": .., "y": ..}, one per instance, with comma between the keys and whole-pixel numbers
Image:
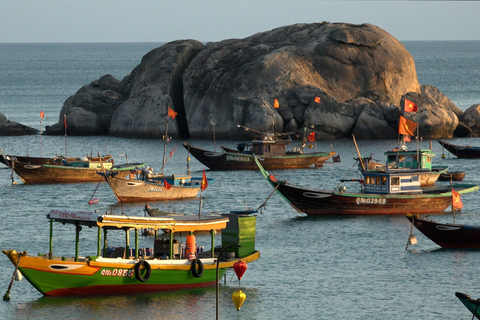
[
  {"x": 238, "y": 298},
  {"x": 93, "y": 201}
]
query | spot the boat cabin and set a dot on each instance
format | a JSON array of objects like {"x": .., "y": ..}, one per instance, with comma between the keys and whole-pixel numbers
[
  {"x": 388, "y": 183},
  {"x": 270, "y": 145},
  {"x": 404, "y": 159},
  {"x": 240, "y": 228}
]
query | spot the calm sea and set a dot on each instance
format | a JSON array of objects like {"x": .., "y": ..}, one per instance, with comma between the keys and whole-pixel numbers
[{"x": 310, "y": 268}]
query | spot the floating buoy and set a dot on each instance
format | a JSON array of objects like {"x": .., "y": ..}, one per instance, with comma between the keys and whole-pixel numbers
[
  {"x": 238, "y": 298},
  {"x": 93, "y": 201}
]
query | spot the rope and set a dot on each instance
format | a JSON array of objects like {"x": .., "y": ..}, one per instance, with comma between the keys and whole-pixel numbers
[
  {"x": 355, "y": 164},
  {"x": 265, "y": 202}
]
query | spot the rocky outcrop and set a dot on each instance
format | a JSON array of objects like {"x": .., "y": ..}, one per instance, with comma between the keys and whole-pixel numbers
[
  {"x": 471, "y": 119},
  {"x": 11, "y": 128},
  {"x": 334, "y": 78},
  {"x": 156, "y": 85}
]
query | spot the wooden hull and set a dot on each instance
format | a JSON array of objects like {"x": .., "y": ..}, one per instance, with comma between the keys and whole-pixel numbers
[
  {"x": 448, "y": 235},
  {"x": 468, "y": 152},
  {"x": 107, "y": 276},
  {"x": 455, "y": 176},
  {"x": 472, "y": 304},
  {"x": 34, "y": 173},
  {"x": 7, "y": 159},
  {"x": 244, "y": 161},
  {"x": 127, "y": 190},
  {"x": 323, "y": 202}
]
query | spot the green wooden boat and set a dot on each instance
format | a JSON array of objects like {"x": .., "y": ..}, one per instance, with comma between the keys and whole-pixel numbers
[{"x": 126, "y": 271}]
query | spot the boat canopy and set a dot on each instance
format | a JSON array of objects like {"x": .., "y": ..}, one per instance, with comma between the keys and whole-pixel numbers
[{"x": 186, "y": 223}]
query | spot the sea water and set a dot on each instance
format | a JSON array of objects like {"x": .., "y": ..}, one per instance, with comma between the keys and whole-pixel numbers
[{"x": 330, "y": 267}]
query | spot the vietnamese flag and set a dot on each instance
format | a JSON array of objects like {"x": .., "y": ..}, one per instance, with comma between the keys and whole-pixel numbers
[
  {"x": 410, "y": 106},
  {"x": 456, "y": 200},
  {"x": 276, "y": 105},
  {"x": 41, "y": 114},
  {"x": 172, "y": 114},
  {"x": 317, "y": 99},
  {"x": 166, "y": 184},
  {"x": 311, "y": 137},
  {"x": 204, "y": 184},
  {"x": 407, "y": 127}
]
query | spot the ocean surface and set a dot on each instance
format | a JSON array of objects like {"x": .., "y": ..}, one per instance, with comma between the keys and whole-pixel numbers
[{"x": 330, "y": 267}]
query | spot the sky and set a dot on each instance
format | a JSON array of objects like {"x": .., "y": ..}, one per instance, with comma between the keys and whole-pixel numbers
[{"x": 214, "y": 20}]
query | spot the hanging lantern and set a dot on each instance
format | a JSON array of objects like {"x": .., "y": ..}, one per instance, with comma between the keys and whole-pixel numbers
[
  {"x": 238, "y": 298},
  {"x": 240, "y": 267}
]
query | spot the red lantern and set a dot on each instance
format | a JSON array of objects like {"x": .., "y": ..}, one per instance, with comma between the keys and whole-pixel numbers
[{"x": 240, "y": 267}]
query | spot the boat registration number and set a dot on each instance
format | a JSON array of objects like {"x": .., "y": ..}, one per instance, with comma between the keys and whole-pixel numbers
[
  {"x": 155, "y": 189},
  {"x": 237, "y": 158},
  {"x": 118, "y": 273},
  {"x": 371, "y": 201}
]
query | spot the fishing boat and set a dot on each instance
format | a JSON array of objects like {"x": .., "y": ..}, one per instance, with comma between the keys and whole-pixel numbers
[
  {"x": 58, "y": 160},
  {"x": 403, "y": 160},
  {"x": 468, "y": 152},
  {"x": 453, "y": 175},
  {"x": 168, "y": 265},
  {"x": 270, "y": 147},
  {"x": 380, "y": 193},
  {"x": 473, "y": 305},
  {"x": 83, "y": 170},
  {"x": 447, "y": 235},
  {"x": 144, "y": 185}
]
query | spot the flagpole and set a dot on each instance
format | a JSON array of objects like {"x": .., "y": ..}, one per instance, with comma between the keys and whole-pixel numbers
[
  {"x": 41, "y": 140},
  {"x": 165, "y": 147},
  {"x": 66, "y": 145}
]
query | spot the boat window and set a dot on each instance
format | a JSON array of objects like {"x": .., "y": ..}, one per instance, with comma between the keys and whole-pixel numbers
[
  {"x": 395, "y": 181},
  {"x": 377, "y": 181},
  {"x": 384, "y": 181},
  {"x": 429, "y": 159}
]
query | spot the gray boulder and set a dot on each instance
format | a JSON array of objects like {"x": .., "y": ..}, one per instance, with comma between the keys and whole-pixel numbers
[
  {"x": 293, "y": 64},
  {"x": 471, "y": 119},
  {"x": 12, "y": 128},
  {"x": 90, "y": 110},
  {"x": 156, "y": 85}
]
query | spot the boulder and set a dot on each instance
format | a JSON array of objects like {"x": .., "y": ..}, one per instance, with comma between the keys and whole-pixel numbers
[
  {"x": 471, "y": 119},
  {"x": 89, "y": 111},
  {"x": 156, "y": 85},
  {"x": 293, "y": 64},
  {"x": 11, "y": 128}
]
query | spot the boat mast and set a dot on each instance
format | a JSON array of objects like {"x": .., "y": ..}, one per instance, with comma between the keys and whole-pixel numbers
[{"x": 164, "y": 147}]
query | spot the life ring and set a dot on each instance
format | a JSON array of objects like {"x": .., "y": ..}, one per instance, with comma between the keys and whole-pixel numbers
[
  {"x": 197, "y": 268},
  {"x": 138, "y": 273}
]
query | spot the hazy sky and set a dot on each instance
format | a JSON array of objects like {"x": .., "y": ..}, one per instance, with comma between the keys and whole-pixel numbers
[{"x": 214, "y": 20}]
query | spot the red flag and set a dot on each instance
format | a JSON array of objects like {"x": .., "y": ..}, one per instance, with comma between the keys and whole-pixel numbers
[
  {"x": 456, "y": 200},
  {"x": 410, "y": 106},
  {"x": 407, "y": 127},
  {"x": 65, "y": 121},
  {"x": 41, "y": 114},
  {"x": 204, "y": 181},
  {"x": 166, "y": 184},
  {"x": 172, "y": 114},
  {"x": 275, "y": 104},
  {"x": 407, "y": 139},
  {"x": 317, "y": 99},
  {"x": 173, "y": 150},
  {"x": 311, "y": 137}
]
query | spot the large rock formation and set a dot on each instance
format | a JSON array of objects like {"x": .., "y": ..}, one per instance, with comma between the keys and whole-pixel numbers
[
  {"x": 336, "y": 78},
  {"x": 12, "y": 128}
]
